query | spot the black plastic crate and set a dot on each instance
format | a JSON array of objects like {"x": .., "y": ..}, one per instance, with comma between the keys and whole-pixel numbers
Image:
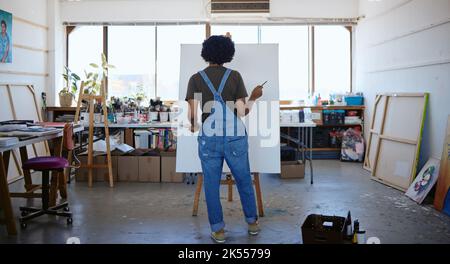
[
  {"x": 333, "y": 117},
  {"x": 321, "y": 229},
  {"x": 288, "y": 153}
]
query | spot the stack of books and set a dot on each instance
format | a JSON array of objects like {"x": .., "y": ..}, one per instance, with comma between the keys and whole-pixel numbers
[{"x": 8, "y": 141}]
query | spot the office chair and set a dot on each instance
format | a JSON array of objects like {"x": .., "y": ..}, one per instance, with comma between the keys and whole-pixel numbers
[{"x": 46, "y": 165}]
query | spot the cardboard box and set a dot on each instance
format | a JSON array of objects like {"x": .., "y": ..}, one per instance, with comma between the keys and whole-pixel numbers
[
  {"x": 149, "y": 168},
  {"x": 168, "y": 166},
  {"x": 102, "y": 173},
  {"x": 292, "y": 170},
  {"x": 128, "y": 168},
  {"x": 98, "y": 175},
  {"x": 316, "y": 116},
  {"x": 81, "y": 174}
]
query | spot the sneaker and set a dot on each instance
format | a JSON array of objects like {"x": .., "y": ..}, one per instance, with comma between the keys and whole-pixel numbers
[
  {"x": 253, "y": 229},
  {"x": 219, "y": 236}
]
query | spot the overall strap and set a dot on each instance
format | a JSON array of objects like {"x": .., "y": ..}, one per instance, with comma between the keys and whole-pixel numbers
[
  {"x": 211, "y": 86},
  {"x": 208, "y": 83},
  {"x": 224, "y": 81}
]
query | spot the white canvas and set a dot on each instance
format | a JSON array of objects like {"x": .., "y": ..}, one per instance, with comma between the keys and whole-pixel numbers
[
  {"x": 257, "y": 63},
  {"x": 425, "y": 181}
]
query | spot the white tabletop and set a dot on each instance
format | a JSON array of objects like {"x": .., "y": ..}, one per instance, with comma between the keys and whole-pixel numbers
[
  {"x": 39, "y": 139},
  {"x": 140, "y": 125},
  {"x": 306, "y": 124}
]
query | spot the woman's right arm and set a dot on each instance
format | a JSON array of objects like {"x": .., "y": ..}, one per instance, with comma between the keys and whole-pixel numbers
[{"x": 243, "y": 107}]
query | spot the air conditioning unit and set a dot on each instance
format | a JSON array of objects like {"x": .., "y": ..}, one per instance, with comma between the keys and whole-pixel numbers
[{"x": 240, "y": 6}]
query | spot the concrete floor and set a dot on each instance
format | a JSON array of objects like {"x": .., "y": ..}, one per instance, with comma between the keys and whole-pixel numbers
[{"x": 161, "y": 213}]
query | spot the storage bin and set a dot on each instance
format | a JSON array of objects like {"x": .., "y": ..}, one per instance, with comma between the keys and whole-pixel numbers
[
  {"x": 321, "y": 229},
  {"x": 354, "y": 100}
]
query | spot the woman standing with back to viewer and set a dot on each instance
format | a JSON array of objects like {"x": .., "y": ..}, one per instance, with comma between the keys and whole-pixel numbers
[{"x": 223, "y": 135}]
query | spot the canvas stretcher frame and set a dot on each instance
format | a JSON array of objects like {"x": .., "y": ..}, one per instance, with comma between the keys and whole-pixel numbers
[{"x": 395, "y": 136}]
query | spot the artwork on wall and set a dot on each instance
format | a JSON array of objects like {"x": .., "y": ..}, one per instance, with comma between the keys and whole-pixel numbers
[
  {"x": 5, "y": 37},
  {"x": 425, "y": 181}
]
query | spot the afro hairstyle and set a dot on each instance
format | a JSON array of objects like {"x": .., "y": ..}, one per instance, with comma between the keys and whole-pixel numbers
[{"x": 218, "y": 50}]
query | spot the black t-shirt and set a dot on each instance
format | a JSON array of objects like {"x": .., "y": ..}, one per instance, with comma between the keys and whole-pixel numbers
[{"x": 234, "y": 87}]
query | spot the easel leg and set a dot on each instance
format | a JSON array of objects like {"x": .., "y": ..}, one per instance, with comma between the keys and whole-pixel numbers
[
  {"x": 5, "y": 199},
  {"x": 258, "y": 195},
  {"x": 197, "y": 194},
  {"x": 91, "y": 142},
  {"x": 230, "y": 183}
]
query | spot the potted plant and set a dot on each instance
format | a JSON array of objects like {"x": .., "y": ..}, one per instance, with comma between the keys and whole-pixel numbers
[
  {"x": 95, "y": 79},
  {"x": 67, "y": 94}
]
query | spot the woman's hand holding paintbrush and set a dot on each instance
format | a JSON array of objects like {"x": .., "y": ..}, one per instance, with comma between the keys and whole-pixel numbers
[{"x": 257, "y": 92}]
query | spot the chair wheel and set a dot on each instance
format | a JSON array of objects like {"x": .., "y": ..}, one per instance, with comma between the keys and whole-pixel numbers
[
  {"x": 66, "y": 209},
  {"x": 69, "y": 221},
  {"x": 23, "y": 225}
]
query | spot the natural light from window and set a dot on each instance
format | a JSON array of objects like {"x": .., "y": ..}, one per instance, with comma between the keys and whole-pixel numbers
[
  {"x": 332, "y": 60},
  {"x": 131, "y": 49},
  {"x": 86, "y": 46},
  {"x": 170, "y": 39},
  {"x": 293, "y": 59}
]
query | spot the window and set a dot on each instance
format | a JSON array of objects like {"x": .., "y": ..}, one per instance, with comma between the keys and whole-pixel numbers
[
  {"x": 86, "y": 46},
  {"x": 169, "y": 42},
  {"x": 147, "y": 58},
  {"x": 131, "y": 49},
  {"x": 239, "y": 34},
  {"x": 293, "y": 59},
  {"x": 332, "y": 60}
]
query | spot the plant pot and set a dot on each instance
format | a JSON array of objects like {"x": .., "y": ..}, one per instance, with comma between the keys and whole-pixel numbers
[
  {"x": 164, "y": 116},
  {"x": 65, "y": 99}
]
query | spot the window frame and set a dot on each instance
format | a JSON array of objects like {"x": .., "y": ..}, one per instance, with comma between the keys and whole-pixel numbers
[{"x": 311, "y": 44}]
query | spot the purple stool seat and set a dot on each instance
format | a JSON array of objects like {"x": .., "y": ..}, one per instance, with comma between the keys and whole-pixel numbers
[{"x": 45, "y": 163}]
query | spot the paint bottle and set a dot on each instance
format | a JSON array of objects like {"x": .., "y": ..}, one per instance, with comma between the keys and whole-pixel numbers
[
  {"x": 361, "y": 237},
  {"x": 348, "y": 226},
  {"x": 355, "y": 231}
]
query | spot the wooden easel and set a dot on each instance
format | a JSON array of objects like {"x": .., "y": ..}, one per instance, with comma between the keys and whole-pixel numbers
[
  {"x": 90, "y": 166},
  {"x": 230, "y": 182}
]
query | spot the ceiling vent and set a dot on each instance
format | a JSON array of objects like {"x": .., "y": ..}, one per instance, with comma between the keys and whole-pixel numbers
[{"x": 239, "y": 6}]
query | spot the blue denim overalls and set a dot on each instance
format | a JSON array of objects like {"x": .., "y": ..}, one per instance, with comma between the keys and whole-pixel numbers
[{"x": 223, "y": 136}]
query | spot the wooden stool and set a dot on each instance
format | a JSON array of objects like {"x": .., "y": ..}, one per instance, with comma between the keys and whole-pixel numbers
[{"x": 230, "y": 182}]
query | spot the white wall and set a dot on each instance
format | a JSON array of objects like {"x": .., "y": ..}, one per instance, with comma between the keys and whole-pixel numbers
[
  {"x": 178, "y": 10},
  {"x": 404, "y": 46},
  {"x": 25, "y": 60}
]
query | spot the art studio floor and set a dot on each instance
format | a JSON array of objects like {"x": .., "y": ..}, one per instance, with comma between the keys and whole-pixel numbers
[{"x": 161, "y": 213}]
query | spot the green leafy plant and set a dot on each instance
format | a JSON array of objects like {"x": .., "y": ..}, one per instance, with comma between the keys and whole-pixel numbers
[
  {"x": 95, "y": 78},
  {"x": 140, "y": 96},
  {"x": 71, "y": 80}
]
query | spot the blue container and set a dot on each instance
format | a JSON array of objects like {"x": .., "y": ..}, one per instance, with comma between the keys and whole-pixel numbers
[{"x": 354, "y": 100}]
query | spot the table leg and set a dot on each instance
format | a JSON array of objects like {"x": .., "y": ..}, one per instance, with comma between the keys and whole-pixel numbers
[
  {"x": 5, "y": 199},
  {"x": 311, "y": 153},
  {"x": 26, "y": 173}
]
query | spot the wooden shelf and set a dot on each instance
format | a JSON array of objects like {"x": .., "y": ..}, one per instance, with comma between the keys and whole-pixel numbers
[
  {"x": 344, "y": 125},
  {"x": 325, "y": 149},
  {"x": 289, "y": 107},
  {"x": 60, "y": 108}
]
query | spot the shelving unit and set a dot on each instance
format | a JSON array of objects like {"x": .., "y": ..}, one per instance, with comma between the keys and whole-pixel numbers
[{"x": 325, "y": 151}]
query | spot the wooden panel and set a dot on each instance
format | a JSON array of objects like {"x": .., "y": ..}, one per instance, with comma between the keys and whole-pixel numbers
[
  {"x": 443, "y": 185},
  {"x": 378, "y": 114}
]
